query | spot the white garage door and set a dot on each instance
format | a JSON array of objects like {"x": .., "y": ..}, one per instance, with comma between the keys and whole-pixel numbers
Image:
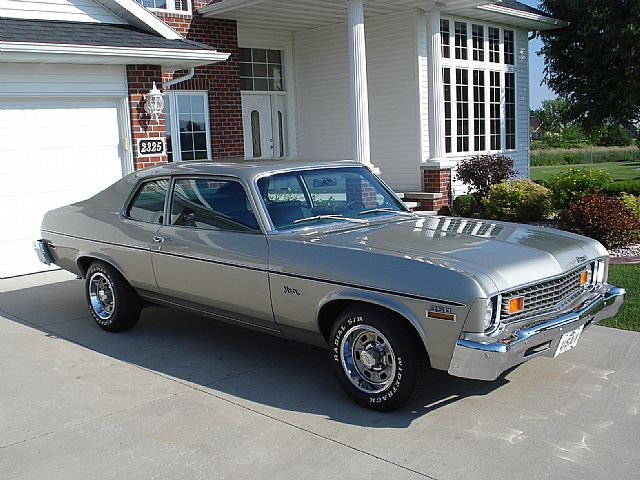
[{"x": 52, "y": 153}]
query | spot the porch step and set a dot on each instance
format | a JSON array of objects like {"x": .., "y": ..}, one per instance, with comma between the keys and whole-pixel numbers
[
  {"x": 422, "y": 195},
  {"x": 412, "y": 205}
]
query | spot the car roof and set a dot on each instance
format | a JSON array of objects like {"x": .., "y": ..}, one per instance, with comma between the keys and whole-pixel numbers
[{"x": 237, "y": 167}]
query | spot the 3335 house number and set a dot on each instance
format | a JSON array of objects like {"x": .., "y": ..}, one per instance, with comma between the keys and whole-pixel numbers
[{"x": 151, "y": 146}]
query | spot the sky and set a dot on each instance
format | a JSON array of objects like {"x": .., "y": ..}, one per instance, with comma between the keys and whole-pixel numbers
[{"x": 537, "y": 93}]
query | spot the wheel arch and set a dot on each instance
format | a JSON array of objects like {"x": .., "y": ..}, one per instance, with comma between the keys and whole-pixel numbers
[
  {"x": 84, "y": 260},
  {"x": 335, "y": 303}
]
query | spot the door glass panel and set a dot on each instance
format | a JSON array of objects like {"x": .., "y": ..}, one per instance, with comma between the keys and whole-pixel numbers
[
  {"x": 148, "y": 203},
  {"x": 212, "y": 204},
  {"x": 255, "y": 133},
  {"x": 281, "y": 134}
]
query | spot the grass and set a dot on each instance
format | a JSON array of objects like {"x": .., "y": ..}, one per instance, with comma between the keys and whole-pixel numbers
[
  {"x": 565, "y": 156},
  {"x": 617, "y": 170},
  {"x": 627, "y": 276}
]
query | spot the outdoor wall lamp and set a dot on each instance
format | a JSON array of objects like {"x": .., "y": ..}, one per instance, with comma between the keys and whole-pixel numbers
[{"x": 154, "y": 103}]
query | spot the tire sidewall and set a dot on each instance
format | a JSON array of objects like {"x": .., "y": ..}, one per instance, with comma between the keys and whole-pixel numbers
[
  {"x": 403, "y": 386},
  {"x": 99, "y": 268}
]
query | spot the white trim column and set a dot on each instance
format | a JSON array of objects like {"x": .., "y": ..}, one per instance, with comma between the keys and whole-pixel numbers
[
  {"x": 358, "y": 83},
  {"x": 437, "y": 153}
]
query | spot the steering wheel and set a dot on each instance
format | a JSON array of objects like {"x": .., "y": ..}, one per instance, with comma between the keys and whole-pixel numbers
[{"x": 354, "y": 206}]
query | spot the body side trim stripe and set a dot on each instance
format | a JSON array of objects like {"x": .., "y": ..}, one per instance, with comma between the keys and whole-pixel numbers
[{"x": 272, "y": 272}]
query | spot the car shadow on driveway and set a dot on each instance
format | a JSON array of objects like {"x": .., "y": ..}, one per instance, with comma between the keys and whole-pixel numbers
[{"x": 256, "y": 371}]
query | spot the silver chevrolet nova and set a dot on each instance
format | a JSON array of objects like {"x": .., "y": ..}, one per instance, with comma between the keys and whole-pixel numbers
[{"x": 326, "y": 253}]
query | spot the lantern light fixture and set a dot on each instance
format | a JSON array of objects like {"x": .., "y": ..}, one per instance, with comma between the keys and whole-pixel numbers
[{"x": 154, "y": 103}]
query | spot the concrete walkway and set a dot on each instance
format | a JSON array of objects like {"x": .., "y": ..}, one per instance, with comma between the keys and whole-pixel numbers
[{"x": 182, "y": 397}]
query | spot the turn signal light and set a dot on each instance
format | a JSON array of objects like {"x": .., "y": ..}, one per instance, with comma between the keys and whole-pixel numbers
[
  {"x": 516, "y": 305},
  {"x": 584, "y": 277}
]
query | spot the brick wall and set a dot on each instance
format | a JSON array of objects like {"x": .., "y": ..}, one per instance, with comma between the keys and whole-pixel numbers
[
  {"x": 437, "y": 180},
  {"x": 221, "y": 80},
  {"x": 140, "y": 80}
]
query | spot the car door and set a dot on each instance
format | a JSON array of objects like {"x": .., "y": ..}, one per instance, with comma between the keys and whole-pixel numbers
[{"x": 211, "y": 254}]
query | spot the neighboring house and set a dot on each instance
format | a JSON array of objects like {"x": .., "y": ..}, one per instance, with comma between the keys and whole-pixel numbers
[{"x": 272, "y": 79}]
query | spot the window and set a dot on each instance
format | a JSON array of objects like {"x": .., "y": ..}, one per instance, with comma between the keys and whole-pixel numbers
[
  {"x": 261, "y": 70},
  {"x": 444, "y": 38},
  {"x": 255, "y": 134},
  {"x": 187, "y": 124},
  {"x": 494, "y": 110},
  {"x": 461, "y": 40},
  {"x": 494, "y": 45},
  {"x": 212, "y": 204},
  {"x": 462, "y": 109},
  {"x": 510, "y": 110},
  {"x": 509, "y": 47},
  {"x": 479, "y": 122},
  {"x": 477, "y": 32},
  {"x": 479, "y": 81},
  {"x": 446, "y": 77},
  {"x": 147, "y": 204},
  {"x": 181, "y": 6}
]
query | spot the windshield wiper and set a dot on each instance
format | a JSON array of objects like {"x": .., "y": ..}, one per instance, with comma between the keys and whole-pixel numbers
[
  {"x": 330, "y": 217},
  {"x": 381, "y": 210}
]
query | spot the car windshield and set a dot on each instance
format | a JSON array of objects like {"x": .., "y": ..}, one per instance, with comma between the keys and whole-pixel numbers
[{"x": 311, "y": 197}]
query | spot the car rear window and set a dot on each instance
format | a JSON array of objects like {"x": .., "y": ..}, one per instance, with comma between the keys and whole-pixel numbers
[{"x": 147, "y": 204}]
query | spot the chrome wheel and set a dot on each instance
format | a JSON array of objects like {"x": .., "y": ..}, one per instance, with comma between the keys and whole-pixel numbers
[
  {"x": 101, "y": 295},
  {"x": 367, "y": 359}
]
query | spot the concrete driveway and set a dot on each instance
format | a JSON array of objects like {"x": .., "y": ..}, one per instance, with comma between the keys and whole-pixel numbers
[{"x": 181, "y": 397}]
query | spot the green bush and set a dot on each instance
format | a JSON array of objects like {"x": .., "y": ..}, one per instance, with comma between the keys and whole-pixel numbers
[
  {"x": 570, "y": 185},
  {"x": 612, "y": 135},
  {"x": 520, "y": 200},
  {"x": 563, "y": 156},
  {"x": 465, "y": 205},
  {"x": 601, "y": 217},
  {"x": 623, "y": 186},
  {"x": 632, "y": 202},
  {"x": 482, "y": 171}
]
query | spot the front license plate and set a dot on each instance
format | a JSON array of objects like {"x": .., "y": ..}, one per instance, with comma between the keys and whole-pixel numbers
[{"x": 568, "y": 341}]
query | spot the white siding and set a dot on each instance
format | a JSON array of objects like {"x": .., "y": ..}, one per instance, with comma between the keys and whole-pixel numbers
[
  {"x": 25, "y": 79},
  {"x": 522, "y": 158},
  {"x": 64, "y": 10},
  {"x": 322, "y": 85}
]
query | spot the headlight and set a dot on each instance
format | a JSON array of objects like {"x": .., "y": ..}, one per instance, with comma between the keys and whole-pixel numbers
[
  {"x": 491, "y": 314},
  {"x": 598, "y": 272}
]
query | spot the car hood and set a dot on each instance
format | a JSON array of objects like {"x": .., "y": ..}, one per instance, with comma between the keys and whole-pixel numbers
[{"x": 509, "y": 254}]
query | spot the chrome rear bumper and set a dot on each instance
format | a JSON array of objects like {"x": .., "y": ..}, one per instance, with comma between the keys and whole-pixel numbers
[
  {"x": 486, "y": 361},
  {"x": 42, "y": 249}
]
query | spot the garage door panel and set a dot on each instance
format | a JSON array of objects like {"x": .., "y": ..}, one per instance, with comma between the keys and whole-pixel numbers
[{"x": 52, "y": 153}]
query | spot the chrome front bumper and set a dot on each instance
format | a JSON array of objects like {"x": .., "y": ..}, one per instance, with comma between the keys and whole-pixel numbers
[{"x": 486, "y": 361}]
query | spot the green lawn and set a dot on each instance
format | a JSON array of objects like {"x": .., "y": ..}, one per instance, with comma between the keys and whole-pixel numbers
[
  {"x": 617, "y": 170},
  {"x": 627, "y": 276}
]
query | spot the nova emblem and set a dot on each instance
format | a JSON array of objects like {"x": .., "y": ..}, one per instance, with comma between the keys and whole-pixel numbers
[
  {"x": 289, "y": 290},
  {"x": 581, "y": 259}
]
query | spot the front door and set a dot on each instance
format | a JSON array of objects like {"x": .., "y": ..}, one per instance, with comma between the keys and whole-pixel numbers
[{"x": 258, "y": 126}]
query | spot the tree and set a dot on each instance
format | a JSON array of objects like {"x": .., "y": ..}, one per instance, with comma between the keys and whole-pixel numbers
[{"x": 594, "y": 63}]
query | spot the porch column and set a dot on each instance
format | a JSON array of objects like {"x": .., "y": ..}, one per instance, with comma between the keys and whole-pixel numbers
[
  {"x": 358, "y": 83},
  {"x": 437, "y": 153}
]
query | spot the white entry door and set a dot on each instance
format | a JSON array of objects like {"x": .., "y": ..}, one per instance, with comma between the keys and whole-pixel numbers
[
  {"x": 263, "y": 117},
  {"x": 52, "y": 153}
]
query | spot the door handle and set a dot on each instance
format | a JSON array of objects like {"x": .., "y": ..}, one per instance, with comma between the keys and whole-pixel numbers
[{"x": 158, "y": 239}]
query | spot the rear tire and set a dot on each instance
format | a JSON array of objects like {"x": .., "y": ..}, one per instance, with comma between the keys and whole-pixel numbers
[
  {"x": 113, "y": 303},
  {"x": 378, "y": 357}
]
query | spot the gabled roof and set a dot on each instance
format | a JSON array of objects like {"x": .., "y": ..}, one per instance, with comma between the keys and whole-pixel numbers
[{"x": 98, "y": 43}]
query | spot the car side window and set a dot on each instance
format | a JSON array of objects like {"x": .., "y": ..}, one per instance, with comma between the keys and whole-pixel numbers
[
  {"x": 147, "y": 204},
  {"x": 212, "y": 204}
]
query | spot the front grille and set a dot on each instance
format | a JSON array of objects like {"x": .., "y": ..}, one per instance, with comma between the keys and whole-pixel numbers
[{"x": 545, "y": 297}]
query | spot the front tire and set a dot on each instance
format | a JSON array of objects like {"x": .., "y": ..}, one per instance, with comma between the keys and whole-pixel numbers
[
  {"x": 113, "y": 303},
  {"x": 378, "y": 358}
]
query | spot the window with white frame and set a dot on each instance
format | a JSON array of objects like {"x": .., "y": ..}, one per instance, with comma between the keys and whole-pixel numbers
[
  {"x": 187, "y": 125},
  {"x": 261, "y": 69},
  {"x": 178, "y": 6},
  {"x": 479, "y": 81}
]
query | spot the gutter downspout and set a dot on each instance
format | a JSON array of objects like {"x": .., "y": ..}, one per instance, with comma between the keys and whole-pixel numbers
[{"x": 184, "y": 78}]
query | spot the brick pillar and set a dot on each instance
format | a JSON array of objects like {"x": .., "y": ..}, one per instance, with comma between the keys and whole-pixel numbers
[
  {"x": 437, "y": 180},
  {"x": 140, "y": 80},
  {"x": 359, "y": 190}
]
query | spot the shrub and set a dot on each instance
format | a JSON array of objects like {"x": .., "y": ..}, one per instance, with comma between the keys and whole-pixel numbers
[
  {"x": 612, "y": 135},
  {"x": 563, "y": 156},
  {"x": 465, "y": 205},
  {"x": 623, "y": 186},
  {"x": 601, "y": 217},
  {"x": 520, "y": 200},
  {"x": 482, "y": 171},
  {"x": 632, "y": 202},
  {"x": 570, "y": 185}
]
